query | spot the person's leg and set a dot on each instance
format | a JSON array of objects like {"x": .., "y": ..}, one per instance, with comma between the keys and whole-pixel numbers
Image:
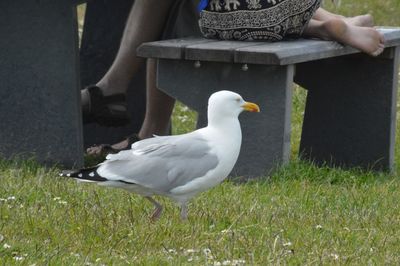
[
  {"x": 105, "y": 102},
  {"x": 366, "y": 39},
  {"x": 159, "y": 107},
  {"x": 361, "y": 20},
  {"x": 145, "y": 23}
]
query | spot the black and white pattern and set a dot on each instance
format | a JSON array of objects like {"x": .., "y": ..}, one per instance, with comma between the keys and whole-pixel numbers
[{"x": 271, "y": 20}]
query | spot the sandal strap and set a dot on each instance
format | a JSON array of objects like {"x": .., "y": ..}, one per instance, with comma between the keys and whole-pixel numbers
[
  {"x": 115, "y": 98},
  {"x": 105, "y": 110},
  {"x": 107, "y": 148}
]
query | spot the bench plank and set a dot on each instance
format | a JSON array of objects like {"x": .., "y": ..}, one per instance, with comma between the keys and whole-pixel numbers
[
  {"x": 291, "y": 52},
  {"x": 168, "y": 49},
  {"x": 218, "y": 51},
  {"x": 277, "y": 53}
]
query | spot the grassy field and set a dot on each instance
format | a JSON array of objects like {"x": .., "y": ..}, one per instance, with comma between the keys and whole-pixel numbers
[{"x": 301, "y": 215}]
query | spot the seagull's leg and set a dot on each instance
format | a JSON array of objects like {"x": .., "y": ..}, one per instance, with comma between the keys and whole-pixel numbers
[
  {"x": 157, "y": 211},
  {"x": 184, "y": 211}
]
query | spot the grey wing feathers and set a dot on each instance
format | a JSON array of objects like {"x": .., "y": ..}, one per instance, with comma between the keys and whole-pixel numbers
[{"x": 161, "y": 163}]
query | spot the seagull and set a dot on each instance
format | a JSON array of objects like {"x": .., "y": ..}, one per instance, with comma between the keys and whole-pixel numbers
[{"x": 181, "y": 166}]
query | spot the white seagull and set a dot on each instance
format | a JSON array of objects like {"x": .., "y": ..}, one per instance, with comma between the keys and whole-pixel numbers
[{"x": 181, "y": 166}]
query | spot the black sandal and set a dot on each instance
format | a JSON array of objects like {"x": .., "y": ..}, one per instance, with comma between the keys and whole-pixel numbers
[
  {"x": 108, "y": 111},
  {"x": 104, "y": 149}
]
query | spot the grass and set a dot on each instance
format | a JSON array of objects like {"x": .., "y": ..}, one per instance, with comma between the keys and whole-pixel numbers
[{"x": 302, "y": 214}]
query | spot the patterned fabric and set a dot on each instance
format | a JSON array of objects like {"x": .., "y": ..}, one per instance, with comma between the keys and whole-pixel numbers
[{"x": 271, "y": 20}]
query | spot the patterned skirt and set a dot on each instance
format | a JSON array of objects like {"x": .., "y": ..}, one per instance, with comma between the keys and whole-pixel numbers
[{"x": 271, "y": 20}]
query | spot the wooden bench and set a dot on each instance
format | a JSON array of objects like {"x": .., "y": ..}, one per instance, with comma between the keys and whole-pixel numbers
[{"x": 350, "y": 112}]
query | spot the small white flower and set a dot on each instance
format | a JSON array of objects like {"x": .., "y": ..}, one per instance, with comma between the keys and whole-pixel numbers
[
  {"x": 11, "y": 198},
  {"x": 1, "y": 238},
  {"x": 62, "y": 202},
  {"x": 56, "y": 198},
  {"x": 318, "y": 226},
  {"x": 18, "y": 258},
  {"x": 238, "y": 262},
  {"x": 190, "y": 251},
  {"x": 183, "y": 118},
  {"x": 334, "y": 256},
  {"x": 217, "y": 263},
  {"x": 288, "y": 244},
  {"x": 226, "y": 262},
  {"x": 6, "y": 246}
]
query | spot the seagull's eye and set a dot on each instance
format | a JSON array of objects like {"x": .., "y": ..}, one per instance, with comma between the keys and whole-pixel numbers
[{"x": 238, "y": 100}]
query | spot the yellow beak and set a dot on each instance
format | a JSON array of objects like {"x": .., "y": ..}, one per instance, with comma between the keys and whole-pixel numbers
[{"x": 251, "y": 107}]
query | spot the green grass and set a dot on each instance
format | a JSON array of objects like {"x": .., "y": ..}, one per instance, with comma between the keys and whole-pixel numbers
[{"x": 302, "y": 214}]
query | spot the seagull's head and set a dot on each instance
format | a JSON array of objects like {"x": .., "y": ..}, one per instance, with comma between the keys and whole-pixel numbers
[{"x": 229, "y": 104}]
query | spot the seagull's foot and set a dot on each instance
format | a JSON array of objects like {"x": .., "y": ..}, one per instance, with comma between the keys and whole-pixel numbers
[
  {"x": 157, "y": 211},
  {"x": 156, "y": 214},
  {"x": 184, "y": 212}
]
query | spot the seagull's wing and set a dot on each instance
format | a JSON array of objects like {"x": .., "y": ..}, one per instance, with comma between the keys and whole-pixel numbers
[{"x": 161, "y": 163}]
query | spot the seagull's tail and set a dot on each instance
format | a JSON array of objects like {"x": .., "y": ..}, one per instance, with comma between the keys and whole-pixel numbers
[{"x": 86, "y": 175}]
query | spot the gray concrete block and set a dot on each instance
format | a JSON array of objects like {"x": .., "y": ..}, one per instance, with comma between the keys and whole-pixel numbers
[
  {"x": 350, "y": 116},
  {"x": 39, "y": 90}
]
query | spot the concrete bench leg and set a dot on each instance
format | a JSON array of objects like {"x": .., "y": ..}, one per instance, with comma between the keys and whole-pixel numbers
[
  {"x": 39, "y": 82},
  {"x": 266, "y": 135},
  {"x": 351, "y": 110}
]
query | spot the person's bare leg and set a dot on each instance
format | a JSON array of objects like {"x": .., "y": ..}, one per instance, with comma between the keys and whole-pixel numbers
[
  {"x": 361, "y": 20},
  {"x": 145, "y": 23},
  {"x": 368, "y": 40},
  {"x": 159, "y": 107}
]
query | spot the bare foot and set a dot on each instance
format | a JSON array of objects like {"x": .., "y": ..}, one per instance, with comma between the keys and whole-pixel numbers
[
  {"x": 362, "y": 21},
  {"x": 368, "y": 40}
]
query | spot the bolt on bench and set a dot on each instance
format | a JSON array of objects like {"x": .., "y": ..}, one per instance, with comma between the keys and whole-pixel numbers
[{"x": 351, "y": 103}]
